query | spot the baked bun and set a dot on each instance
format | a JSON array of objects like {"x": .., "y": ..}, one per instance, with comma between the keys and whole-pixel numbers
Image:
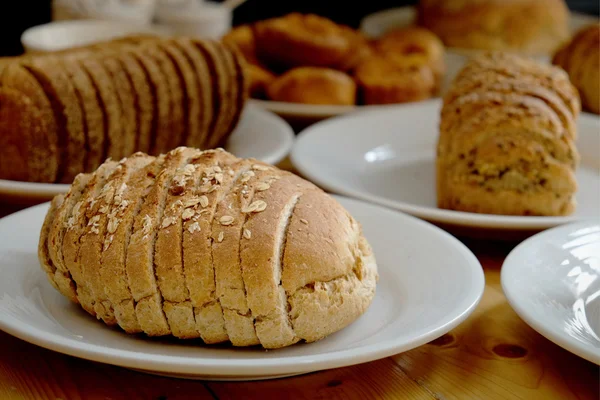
[
  {"x": 206, "y": 245},
  {"x": 418, "y": 45},
  {"x": 531, "y": 26},
  {"x": 308, "y": 40},
  {"x": 580, "y": 57},
  {"x": 393, "y": 78},
  {"x": 313, "y": 85},
  {"x": 507, "y": 139}
]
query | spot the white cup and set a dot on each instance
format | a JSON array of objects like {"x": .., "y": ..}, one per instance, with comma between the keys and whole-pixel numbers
[{"x": 202, "y": 20}]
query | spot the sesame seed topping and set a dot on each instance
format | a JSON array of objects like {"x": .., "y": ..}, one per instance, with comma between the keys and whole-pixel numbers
[
  {"x": 195, "y": 227},
  {"x": 203, "y": 201},
  {"x": 226, "y": 220},
  {"x": 168, "y": 221},
  {"x": 259, "y": 167},
  {"x": 221, "y": 237},
  {"x": 103, "y": 209},
  {"x": 305, "y": 222},
  {"x": 187, "y": 214},
  {"x": 246, "y": 176},
  {"x": 147, "y": 224},
  {"x": 262, "y": 186},
  {"x": 247, "y": 234},
  {"x": 255, "y": 206}
]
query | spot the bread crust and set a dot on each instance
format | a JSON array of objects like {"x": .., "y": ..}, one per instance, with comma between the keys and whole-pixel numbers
[{"x": 204, "y": 244}]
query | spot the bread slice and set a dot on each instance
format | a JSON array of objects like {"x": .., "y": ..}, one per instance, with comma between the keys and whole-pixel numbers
[
  {"x": 168, "y": 254},
  {"x": 230, "y": 94},
  {"x": 109, "y": 102},
  {"x": 168, "y": 140},
  {"x": 62, "y": 220},
  {"x": 218, "y": 81},
  {"x": 44, "y": 164},
  {"x": 161, "y": 99},
  {"x": 140, "y": 251},
  {"x": 20, "y": 124},
  {"x": 71, "y": 139},
  {"x": 213, "y": 183},
  {"x": 143, "y": 98},
  {"x": 243, "y": 86},
  {"x": 126, "y": 98},
  {"x": 76, "y": 227},
  {"x": 189, "y": 89},
  {"x": 93, "y": 116},
  {"x": 262, "y": 256},
  {"x": 43, "y": 249},
  {"x": 204, "y": 95},
  {"x": 230, "y": 289},
  {"x": 488, "y": 82},
  {"x": 112, "y": 262}
]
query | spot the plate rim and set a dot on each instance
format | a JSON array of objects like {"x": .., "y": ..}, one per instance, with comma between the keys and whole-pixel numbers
[
  {"x": 433, "y": 214},
  {"x": 42, "y": 191},
  {"x": 295, "y": 364},
  {"x": 556, "y": 337}
]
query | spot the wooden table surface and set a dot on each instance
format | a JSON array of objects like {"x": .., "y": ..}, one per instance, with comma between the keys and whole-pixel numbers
[{"x": 492, "y": 355}]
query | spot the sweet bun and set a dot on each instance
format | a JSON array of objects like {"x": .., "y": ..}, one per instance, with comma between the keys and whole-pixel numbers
[
  {"x": 391, "y": 78},
  {"x": 580, "y": 58},
  {"x": 507, "y": 140},
  {"x": 202, "y": 244},
  {"x": 308, "y": 40},
  {"x": 313, "y": 85},
  {"x": 530, "y": 26}
]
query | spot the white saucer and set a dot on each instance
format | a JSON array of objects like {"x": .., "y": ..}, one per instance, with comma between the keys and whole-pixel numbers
[
  {"x": 552, "y": 280},
  {"x": 420, "y": 296},
  {"x": 260, "y": 134},
  {"x": 387, "y": 156}
]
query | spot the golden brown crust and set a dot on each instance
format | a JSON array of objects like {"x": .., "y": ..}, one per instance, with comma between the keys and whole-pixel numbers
[
  {"x": 67, "y": 113},
  {"x": 391, "y": 78},
  {"x": 200, "y": 244},
  {"x": 580, "y": 59},
  {"x": 76, "y": 227},
  {"x": 313, "y": 85},
  {"x": 507, "y": 139},
  {"x": 297, "y": 40},
  {"x": 43, "y": 250},
  {"x": 531, "y": 26}
]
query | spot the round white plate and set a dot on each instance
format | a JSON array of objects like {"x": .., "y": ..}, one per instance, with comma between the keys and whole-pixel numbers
[
  {"x": 420, "y": 296},
  {"x": 260, "y": 134},
  {"x": 552, "y": 280},
  {"x": 376, "y": 24},
  {"x": 387, "y": 156}
]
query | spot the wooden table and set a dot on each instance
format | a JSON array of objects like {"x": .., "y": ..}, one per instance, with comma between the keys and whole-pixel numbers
[{"x": 492, "y": 355}]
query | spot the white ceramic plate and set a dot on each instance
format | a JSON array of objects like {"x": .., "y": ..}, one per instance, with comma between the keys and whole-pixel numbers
[
  {"x": 387, "y": 156},
  {"x": 420, "y": 296},
  {"x": 376, "y": 24},
  {"x": 552, "y": 280},
  {"x": 260, "y": 134}
]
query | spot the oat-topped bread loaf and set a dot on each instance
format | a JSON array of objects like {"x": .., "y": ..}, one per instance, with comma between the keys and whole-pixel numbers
[
  {"x": 68, "y": 111},
  {"x": 201, "y": 244},
  {"x": 530, "y": 26},
  {"x": 580, "y": 57},
  {"x": 507, "y": 139}
]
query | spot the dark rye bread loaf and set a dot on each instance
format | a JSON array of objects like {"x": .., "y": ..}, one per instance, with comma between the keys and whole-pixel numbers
[
  {"x": 111, "y": 99},
  {"x": 507, "y": 139},
  {"x": 201, "y": 244}
]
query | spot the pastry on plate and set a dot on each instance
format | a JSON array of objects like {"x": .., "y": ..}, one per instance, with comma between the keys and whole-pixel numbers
[
  {"x": 529, "y": 26},
  {"x": 580, "y": 57},
  {"x": 507, "y": 140},
  {"x": 394, "y": 78},
  {"x": 298, "y": 40},
  {"x": 259, "y": 79},
  {"x": 313, "y": 85},
  {"x": 415, "y": 43},
  {"x": 205, "y": 245}
]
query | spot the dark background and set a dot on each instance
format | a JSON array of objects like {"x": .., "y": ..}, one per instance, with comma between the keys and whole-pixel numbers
[{"x": 16, "y": 16}]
